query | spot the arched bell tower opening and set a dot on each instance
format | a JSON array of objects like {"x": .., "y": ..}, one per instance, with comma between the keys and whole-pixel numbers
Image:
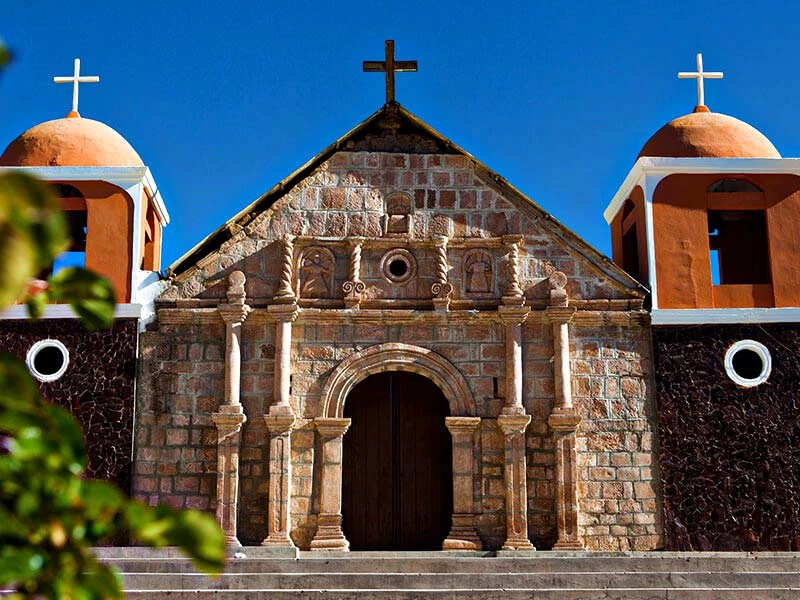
[{"x": 397, "y": 473}]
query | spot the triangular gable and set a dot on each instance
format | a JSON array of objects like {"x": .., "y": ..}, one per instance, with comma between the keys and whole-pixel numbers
[{"x": 395, "y": 129}]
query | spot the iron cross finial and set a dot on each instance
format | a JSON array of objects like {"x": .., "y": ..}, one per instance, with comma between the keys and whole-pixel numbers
[
  {"x": 390, "y": 66},
  {"x": 700, "y": 75},
  {"x": 75, "y": 80}
]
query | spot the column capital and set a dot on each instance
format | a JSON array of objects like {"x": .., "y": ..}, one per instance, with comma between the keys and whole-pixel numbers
[
  {"x": 233, "y": 313},
  {"x": 229, "y": 420},
  {"x": 514, "y": 315},
  {"x": 331, "y": 428},
  {"x": 513, "y": 424},
  {"x": 564, "y": 420},
  {"x": 560, "y": 314},
  {"x": 278, "y": 424},
  {"x": 512, "y": 238},
  {"x": 439, "y": 240},
  {"x": 283, "y": 313},
  {"x": 462, "y": 424}
]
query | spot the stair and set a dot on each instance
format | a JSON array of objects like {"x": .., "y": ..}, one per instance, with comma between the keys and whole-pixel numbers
[{"x": 159, "y": 574}]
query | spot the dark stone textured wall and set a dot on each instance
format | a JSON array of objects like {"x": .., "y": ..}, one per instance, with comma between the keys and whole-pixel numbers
[
  {"x": 98, "y": 386},
  {"x": 730, "y": 456}
]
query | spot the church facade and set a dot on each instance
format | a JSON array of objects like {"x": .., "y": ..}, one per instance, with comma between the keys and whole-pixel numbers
[{"x": 395, "y": 349}]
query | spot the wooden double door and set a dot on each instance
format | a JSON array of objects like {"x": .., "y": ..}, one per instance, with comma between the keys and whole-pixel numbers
[{"x": 397, "y": 473}]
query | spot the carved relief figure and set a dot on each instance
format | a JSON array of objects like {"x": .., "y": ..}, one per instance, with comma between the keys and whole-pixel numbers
[
  {"x": 316, "y": 273},
  {"x": 398, "y": 214},
  {"x": 478, "y": 272}
]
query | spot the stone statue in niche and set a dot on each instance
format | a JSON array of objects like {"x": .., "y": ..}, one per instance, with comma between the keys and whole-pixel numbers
[
  {"x": 315, "y": 275},
  {"x": 398, "y": 215},
  {"x": 478, "y": 272}
]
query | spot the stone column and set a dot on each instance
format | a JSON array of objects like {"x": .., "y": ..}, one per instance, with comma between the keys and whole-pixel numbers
[
  {"x": 283, "y": 315},
  {"x": 462, "y": 533},
  {"x": 442, "y": 290},
  {"x": 285, "y": 293},
  {"x": 513, "y": 428},
  {"x": 230, "y": 417},
  {"x": 329, "y": 534},
  {"x": 564, "y": 419},
  {"x": 513, "y": 317},
  {"x": 280, "y": 480},
  {"x": 354, "y": 287},
  {"x": 514, "y": 296}
]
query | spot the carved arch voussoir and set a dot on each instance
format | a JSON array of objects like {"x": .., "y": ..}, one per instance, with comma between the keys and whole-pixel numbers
[{"x": 396, "y": 357}]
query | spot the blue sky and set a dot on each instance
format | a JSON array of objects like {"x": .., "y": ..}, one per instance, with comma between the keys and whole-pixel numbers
[{"x": 223, "y": 99}]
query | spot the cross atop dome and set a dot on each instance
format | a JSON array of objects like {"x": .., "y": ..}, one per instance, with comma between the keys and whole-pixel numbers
[
  {"x": 700, "y": 75},
  {"x": 75, "y": 80},
  {"x": 390, "y": 66}
]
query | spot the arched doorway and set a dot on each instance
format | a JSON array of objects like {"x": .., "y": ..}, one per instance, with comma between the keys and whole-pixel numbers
[{"x": 397, "y": 476}]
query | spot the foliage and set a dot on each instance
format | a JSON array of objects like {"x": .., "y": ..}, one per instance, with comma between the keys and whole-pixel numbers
[{"x": 50, "y": 517}]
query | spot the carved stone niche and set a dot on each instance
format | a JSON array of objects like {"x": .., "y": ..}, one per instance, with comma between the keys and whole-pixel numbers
[
  {"x": 399, "y": 219},
  {"x": 315, "y": 269},
  {"x": 478, "y": 276}
]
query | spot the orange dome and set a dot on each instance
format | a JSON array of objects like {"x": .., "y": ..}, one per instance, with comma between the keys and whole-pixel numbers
[
  {"x": 703, "y": 134},
  {"x": 70, "y": 142}
]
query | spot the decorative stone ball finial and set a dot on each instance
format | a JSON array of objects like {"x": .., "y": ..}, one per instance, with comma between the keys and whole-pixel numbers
[
  {"x": 558, "y": 292},
  {"x": 236, "y": 293}
]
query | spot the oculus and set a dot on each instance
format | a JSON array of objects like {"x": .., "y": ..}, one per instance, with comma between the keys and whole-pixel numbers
[
  {"x": 748, "y": 363},
  {"x": 47, "y": 360},
  {"x": 398, "y": 266}
]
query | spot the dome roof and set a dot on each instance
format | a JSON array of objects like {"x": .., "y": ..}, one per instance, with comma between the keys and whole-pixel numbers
[
  {"x": 704, "y": 134},
  {"x": 70, "y": 142}
]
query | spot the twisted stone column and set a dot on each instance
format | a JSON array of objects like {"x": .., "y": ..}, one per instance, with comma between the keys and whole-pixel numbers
[
  {"x": 354, "y": 287},
  {"x": 513, "y": 428},
  {"x": 329, "y": 534},
  {"x": 462, "y": 533},
  {"x": 564, "y": 419},
  {"x": 442, "y": 290},
  {"x": 515, "y": 295},
  {"x": 280, "y": 480},
  {"x": 230, "y": 417},
  {"x": 285, "y": 293}
]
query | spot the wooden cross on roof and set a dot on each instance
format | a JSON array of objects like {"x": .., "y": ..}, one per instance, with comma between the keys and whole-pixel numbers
[
  {"x": 700, "y": 75},
  {"x": 389, "y": 66},
  {"x": 75, "y": 80}
]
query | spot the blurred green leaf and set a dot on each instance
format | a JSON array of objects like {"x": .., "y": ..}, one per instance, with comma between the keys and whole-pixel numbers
[{"x": 91, "y": 296}]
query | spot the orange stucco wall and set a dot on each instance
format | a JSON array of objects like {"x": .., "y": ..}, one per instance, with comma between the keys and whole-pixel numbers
[
  {"x": 109, "y": 234},
  {"x": 619, "y": 227},
  {"x": 680, "y": 205}
]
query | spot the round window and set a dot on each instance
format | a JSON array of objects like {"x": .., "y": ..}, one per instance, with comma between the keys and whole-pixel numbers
[
  {"x": 398, "y": 265},
  {"x": 47, "y": 360},
  {"x": 748, "y": 363}
]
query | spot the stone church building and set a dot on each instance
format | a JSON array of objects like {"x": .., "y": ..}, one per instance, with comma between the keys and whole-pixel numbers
[{"x": 395, "y": 349}]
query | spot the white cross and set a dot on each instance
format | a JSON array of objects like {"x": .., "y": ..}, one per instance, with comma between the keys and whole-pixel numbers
[
  {"x": 75, "y": 80},
  {"x": 700, "y": 75}
]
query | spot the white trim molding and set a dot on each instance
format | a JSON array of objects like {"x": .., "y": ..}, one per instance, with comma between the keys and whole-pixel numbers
[
  {"x": 721, "y": 316},
  {"x": 662, "y": 167},
  {"x": 64, "y": 311}
]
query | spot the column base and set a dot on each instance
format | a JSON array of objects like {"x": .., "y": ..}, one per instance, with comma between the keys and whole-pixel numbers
[
  {"x": 441, "y": 304},
  {"x": 231, "y": 541},
  {"x": 329, "y": 536},
  {"x": 462, "y": 534},
  {"x": 518, "y": 544},
  {"x": 568, "y": 545},
  {"x": 278, "y": 541}
]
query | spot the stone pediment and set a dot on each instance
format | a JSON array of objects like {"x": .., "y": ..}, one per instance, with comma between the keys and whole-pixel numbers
[{"x": 426, "y": 219}]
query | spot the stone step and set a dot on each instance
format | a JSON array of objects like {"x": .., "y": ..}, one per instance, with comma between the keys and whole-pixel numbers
[
  {"x": 726, "y": 593},
  {"x": 446, "y": 581}
]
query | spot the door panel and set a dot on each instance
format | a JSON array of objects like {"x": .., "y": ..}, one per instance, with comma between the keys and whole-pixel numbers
[{"x": 397, "y": 464}]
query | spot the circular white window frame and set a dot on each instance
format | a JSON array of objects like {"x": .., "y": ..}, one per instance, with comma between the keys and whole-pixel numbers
[
  {"x": 38, "y": 347},
  {"x": 762, "y": 352},
  {"x": 404, "y": 256}
]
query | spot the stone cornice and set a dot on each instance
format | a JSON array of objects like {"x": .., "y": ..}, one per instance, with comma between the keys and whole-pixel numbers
[{"x": 582, "y": 318}]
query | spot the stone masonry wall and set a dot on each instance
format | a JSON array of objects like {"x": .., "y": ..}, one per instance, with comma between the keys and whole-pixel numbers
[
  {"x": 729, "y": 455},
  {"x": 97, "y": 387}
]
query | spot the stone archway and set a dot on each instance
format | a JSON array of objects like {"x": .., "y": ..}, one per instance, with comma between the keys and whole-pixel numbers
[
  {"x": 331, "y": 426},
  {"x": 396, "y": 357}
]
